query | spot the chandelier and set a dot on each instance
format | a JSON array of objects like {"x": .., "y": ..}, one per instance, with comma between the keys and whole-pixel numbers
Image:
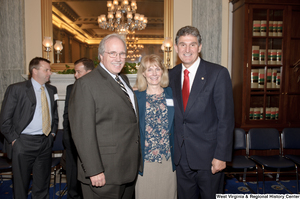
[
  {"x": 133, "y": 47},
  {"x": 117, "y": 21}
]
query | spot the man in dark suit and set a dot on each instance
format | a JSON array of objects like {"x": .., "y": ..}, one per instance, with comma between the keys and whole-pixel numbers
[
  {"x": 103, "y": 116},
  {"x": 81, "y": 67},
  {"x": 204, "y": 119},
  {"x": 27, "y": 140}
]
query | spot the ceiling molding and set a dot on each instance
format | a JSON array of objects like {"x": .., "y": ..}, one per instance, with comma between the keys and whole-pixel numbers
[{"x": 86, "y": 28}]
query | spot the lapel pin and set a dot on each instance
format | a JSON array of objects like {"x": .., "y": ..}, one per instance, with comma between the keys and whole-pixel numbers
[{"x": 202, "y": 78}]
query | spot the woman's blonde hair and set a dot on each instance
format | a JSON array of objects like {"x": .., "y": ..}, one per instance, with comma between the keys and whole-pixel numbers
[{"x": 146, "y": 62}]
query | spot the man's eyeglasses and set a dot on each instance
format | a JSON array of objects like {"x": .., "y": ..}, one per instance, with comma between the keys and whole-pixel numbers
[{"x": 114, "y": 54}]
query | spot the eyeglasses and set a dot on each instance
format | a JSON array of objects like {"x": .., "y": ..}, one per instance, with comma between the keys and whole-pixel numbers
[{"x": 114, "y": 54}]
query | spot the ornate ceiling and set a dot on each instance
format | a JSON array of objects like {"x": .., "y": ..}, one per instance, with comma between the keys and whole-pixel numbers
[{"x": 82, "y": 16}]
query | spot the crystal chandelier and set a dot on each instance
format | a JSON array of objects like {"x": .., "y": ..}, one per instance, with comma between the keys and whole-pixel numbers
[
  {"x": 117, "y": 21},
  {"x": 133, "y": 47}
]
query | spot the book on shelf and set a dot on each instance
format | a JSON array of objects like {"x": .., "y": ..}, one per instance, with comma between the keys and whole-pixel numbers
[
  {"x": 261, "y": 113},
  {"x": 256, "y": 28},
  {"x": 255, "y": 54},
  {"x": 274, "y": 76},
  {"x": 268, "y": 113},
  {"x": 256, "y": 113},
  {"x": 276, "y": 113},
  {"x": 275, "y": 26},
  {"x": 273, "y": 56},
  {"x": 269, "y": 78},
  {"x": 251, "y": 113},
  {"x": 270, "y": 28},
  {"x": 254, "y": 78},
  {"x": 278, "y": 57},
  {"x": 262, "y": 55},
  {"x": 279, "y": 29},
  {"x": 261, "y": 78},
  {"x": 278, "y": 77},
  {"x": 273, "y": 113},
  {"x": 269, "y": 56},
  {"x": 263, "y": 28}
]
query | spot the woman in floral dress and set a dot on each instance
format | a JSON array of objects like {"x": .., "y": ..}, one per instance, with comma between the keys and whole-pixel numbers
[{"x": 156, "y": 116}]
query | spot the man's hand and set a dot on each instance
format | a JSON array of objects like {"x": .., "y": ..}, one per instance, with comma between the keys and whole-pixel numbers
[
  {"x": 98, "y": 180},
  {"x": 217, "y": 165},
  {"x": 12, "y": 144}
]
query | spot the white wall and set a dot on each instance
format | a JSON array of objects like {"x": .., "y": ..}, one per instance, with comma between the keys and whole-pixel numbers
[
  {"x": 33, "y": 30},
  {"x": 182, "y": 17}
]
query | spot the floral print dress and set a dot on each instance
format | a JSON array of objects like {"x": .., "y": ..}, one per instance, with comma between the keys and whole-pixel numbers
[{"x": 156, "y": 133}]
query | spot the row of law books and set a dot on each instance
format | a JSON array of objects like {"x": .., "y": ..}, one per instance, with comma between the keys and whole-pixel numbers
[
  {"x": 258, "y": 78},
  {"x": 259, "y": 56},
  {"x": 260, "y": 28},
  {"x": 257, "y": 113}
]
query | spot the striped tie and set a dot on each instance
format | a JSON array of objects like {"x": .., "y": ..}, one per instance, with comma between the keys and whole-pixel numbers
[
  {"x": 123, "y": 88},
  {"x": 45, "y": 113}
]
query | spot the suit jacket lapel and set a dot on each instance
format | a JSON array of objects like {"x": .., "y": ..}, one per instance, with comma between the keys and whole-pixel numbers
[
  {"x": 125, "y": 78},
  {"x": 177, "y": 94},
  {"x": 30, "y": 92},
  {"x": 199, "y": 82},
  {"x": 170, "y": 110},
  {"x": 113, "y": 84},
  {"x": 142, "y": 109}
]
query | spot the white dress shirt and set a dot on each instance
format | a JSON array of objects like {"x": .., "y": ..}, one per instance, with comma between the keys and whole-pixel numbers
[{"x": 192, "y": 69}]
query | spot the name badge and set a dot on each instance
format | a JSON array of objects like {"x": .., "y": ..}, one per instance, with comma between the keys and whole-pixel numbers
[
  {"x": 170, "y": 102},
  {"x": 56, "y": 97}
]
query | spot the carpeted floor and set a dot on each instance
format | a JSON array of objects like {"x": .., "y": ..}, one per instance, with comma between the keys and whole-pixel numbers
[
  {"x": 232, "y": 186},
  {"x": 6, "y": 191}
]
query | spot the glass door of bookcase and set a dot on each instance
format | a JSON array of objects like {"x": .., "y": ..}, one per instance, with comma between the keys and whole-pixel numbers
[{"x": 266, "y": 65}]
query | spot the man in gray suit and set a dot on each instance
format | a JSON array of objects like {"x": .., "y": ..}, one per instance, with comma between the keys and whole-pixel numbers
[{"x": 104, "y": 124}]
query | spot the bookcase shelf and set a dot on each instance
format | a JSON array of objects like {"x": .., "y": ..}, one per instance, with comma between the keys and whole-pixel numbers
[{"x": 264, "y": 48}]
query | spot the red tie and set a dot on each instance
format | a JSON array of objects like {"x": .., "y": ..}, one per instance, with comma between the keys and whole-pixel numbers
[{"x": 185, "y": 88}]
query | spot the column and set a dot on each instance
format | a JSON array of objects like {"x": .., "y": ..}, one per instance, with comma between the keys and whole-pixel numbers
[
  {"x": 207, "y": 17},
  {"x": 12, "y": 36}
]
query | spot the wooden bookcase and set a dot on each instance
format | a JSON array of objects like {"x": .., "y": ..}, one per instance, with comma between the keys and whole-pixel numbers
[{"x": 266, "y": 44}]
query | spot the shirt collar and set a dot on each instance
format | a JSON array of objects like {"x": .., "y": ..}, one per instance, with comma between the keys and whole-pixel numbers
[
  {"x": 36, "y": 85},
  {"x": 193, "y": 68},
  {"x": 113, "y": 76}
]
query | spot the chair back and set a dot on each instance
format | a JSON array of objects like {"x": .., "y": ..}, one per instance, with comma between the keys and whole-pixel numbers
[
  {"x": 239, "y": 142},
  {"x": 263, "y": 139},
  {"x": 290, "y": 138},
  {"x": 58, "y": 144},
  {"x": 1, "y": 141},
  {"x": 1, "y": 145}
]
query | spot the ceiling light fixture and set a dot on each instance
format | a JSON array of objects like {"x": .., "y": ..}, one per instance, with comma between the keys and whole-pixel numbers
[
  {"x": 133, "y": 47},
  {"x": 117, "y": 21}
]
